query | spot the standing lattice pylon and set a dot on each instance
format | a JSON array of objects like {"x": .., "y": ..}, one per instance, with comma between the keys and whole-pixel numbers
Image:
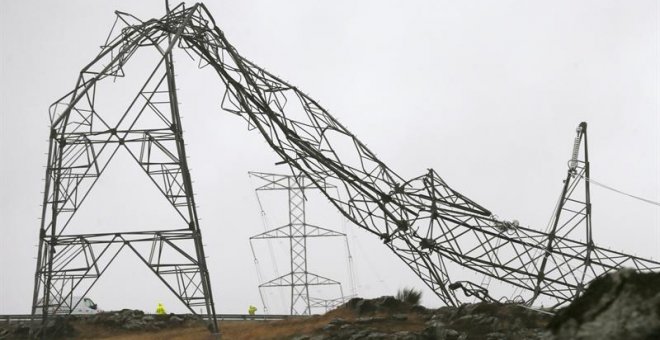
[{"x": 297, "y": 231}]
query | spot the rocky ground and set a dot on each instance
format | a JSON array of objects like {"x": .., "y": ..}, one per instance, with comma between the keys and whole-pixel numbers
[
  {"x": 622, "y": 305},
  {"x": 385, "y": 318},
  {"x": 122, "y": 322}
]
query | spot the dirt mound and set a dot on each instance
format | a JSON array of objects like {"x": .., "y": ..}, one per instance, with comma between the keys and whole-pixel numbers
[
  {"x": 383, "y": 304},
  {"x": 389, "y": 318}
]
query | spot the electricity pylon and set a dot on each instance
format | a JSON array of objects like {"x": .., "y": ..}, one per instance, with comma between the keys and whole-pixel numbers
[
  {"x": 83, "y": 141},
  {"x": 297, "y": 231}
]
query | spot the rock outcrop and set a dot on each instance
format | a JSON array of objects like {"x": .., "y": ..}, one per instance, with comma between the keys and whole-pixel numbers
[
  {"x": 389, "y": 318},
  {"x": 59, "y": 327},
  {"x": 621, "y": 305},
  {"x": 126, "y": 320},
  {"x": 136, "y": 320}
]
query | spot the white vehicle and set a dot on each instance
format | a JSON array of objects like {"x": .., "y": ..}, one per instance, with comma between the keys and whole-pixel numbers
[{"x": 83, "y": 306}]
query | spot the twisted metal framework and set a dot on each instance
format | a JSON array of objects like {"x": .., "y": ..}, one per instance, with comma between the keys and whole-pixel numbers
[
  {"x": 422, "y": 220},
  {"x": 83, "y": 141},
  {"x": 298, "y": 231}
]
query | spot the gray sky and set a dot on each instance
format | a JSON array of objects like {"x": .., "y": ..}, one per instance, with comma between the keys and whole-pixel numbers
[{"x": 488, "y": 93}]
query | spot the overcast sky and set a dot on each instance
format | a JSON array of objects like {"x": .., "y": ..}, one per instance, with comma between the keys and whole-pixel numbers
[{"x": 488, "y": 93}]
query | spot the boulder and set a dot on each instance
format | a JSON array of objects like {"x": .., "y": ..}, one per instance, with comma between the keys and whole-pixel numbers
[
  {"x": 405, "y": 335},
  {"x": 400, "y": 317},
  {"x": 365, "y": 306},
  {"x": 387, "y": 302},
  {"x": 370, "y": 319},
  {"x": 301, "y": 337},
  {"x": 447, "y": 334},
  {"x": 377, "y": 335},
  {"x": 337, "y": 321},
  {"x": 175, "y": 320},
  {"x": 360, "y": 334},
  {"x": 55, "y": 328},
  {"x": 620, "y": 305},
  {"x": 134, "y": 324}
]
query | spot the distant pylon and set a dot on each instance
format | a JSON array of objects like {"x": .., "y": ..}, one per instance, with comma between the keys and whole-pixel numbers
[{"x": 297, "y": 231}]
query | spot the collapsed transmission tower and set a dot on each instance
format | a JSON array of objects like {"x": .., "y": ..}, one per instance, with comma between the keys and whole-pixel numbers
[
  {"x": 297, "y": 231},
  {"x": 83, "y": 141},
  {"x": 571, "y": 220},
  {"x": 425, "y": 222}
]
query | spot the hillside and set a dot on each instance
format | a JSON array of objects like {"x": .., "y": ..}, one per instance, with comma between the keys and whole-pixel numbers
[{"x": 624, "y": 304}]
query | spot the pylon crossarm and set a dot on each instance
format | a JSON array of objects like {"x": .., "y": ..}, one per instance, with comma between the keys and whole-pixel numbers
[
  {"x": 286, "y": 280},
  {"x": 280, "y": 232},
  {"x": 281, "y": 281},
  {"x": 316, "y": 231},
  {"x": 316, "y": 280}
]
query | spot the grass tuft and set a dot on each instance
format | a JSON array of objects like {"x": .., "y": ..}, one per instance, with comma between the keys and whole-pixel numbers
[{"x": 410, "y": 296}]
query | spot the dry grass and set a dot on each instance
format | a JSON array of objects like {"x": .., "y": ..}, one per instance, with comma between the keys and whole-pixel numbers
[
  {"x": 230, "y": 330},
  {"x": 244, "y": 330},
  {"x": 281, "y": 329},
  {"x": 190, "y": 330}
]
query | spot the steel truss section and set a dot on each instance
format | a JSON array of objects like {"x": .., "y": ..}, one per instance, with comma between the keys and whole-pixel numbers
[
  {"x": 424, "y": 221},
  {"x": 299, "y": 279},
  {"x": 82, "y": 144},
  {"x": 80, "y": 260},
  {"x": 326, "y": 304},
  {"x": 571, "y": 220}
]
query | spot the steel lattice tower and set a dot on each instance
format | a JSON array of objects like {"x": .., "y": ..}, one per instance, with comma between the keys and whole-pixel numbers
[
  {"x": 297, "y": 231},
  {"x": 82, "y": 144},
  {"x": 571, "y": 219}
]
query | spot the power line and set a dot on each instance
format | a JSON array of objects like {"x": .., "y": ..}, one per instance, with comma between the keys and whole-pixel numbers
[{"x": 591, "y": 180}]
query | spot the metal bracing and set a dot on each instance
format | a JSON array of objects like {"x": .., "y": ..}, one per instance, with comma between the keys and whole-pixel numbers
[
  {"x": 299, "y": 279},
  {"x": 571, "y": 219},
  {"x": 422, "y": 220},
  {"x": 327, "y": 304},
  {"x": 83, "y": 141}
]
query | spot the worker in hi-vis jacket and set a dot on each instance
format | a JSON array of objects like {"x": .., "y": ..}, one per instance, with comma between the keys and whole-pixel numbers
[{"x": 160, "y": 310}]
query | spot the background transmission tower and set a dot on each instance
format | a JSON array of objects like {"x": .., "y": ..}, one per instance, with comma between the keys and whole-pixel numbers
[{"x": 297, "y": 231}]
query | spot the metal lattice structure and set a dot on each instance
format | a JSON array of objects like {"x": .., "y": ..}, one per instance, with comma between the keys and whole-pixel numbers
[
  {"x": 571, "y": 221},
  {"x": 297, "y": 231},
  {"x": 83, "y": 142},
  {"x": 424, "y": 221}
]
